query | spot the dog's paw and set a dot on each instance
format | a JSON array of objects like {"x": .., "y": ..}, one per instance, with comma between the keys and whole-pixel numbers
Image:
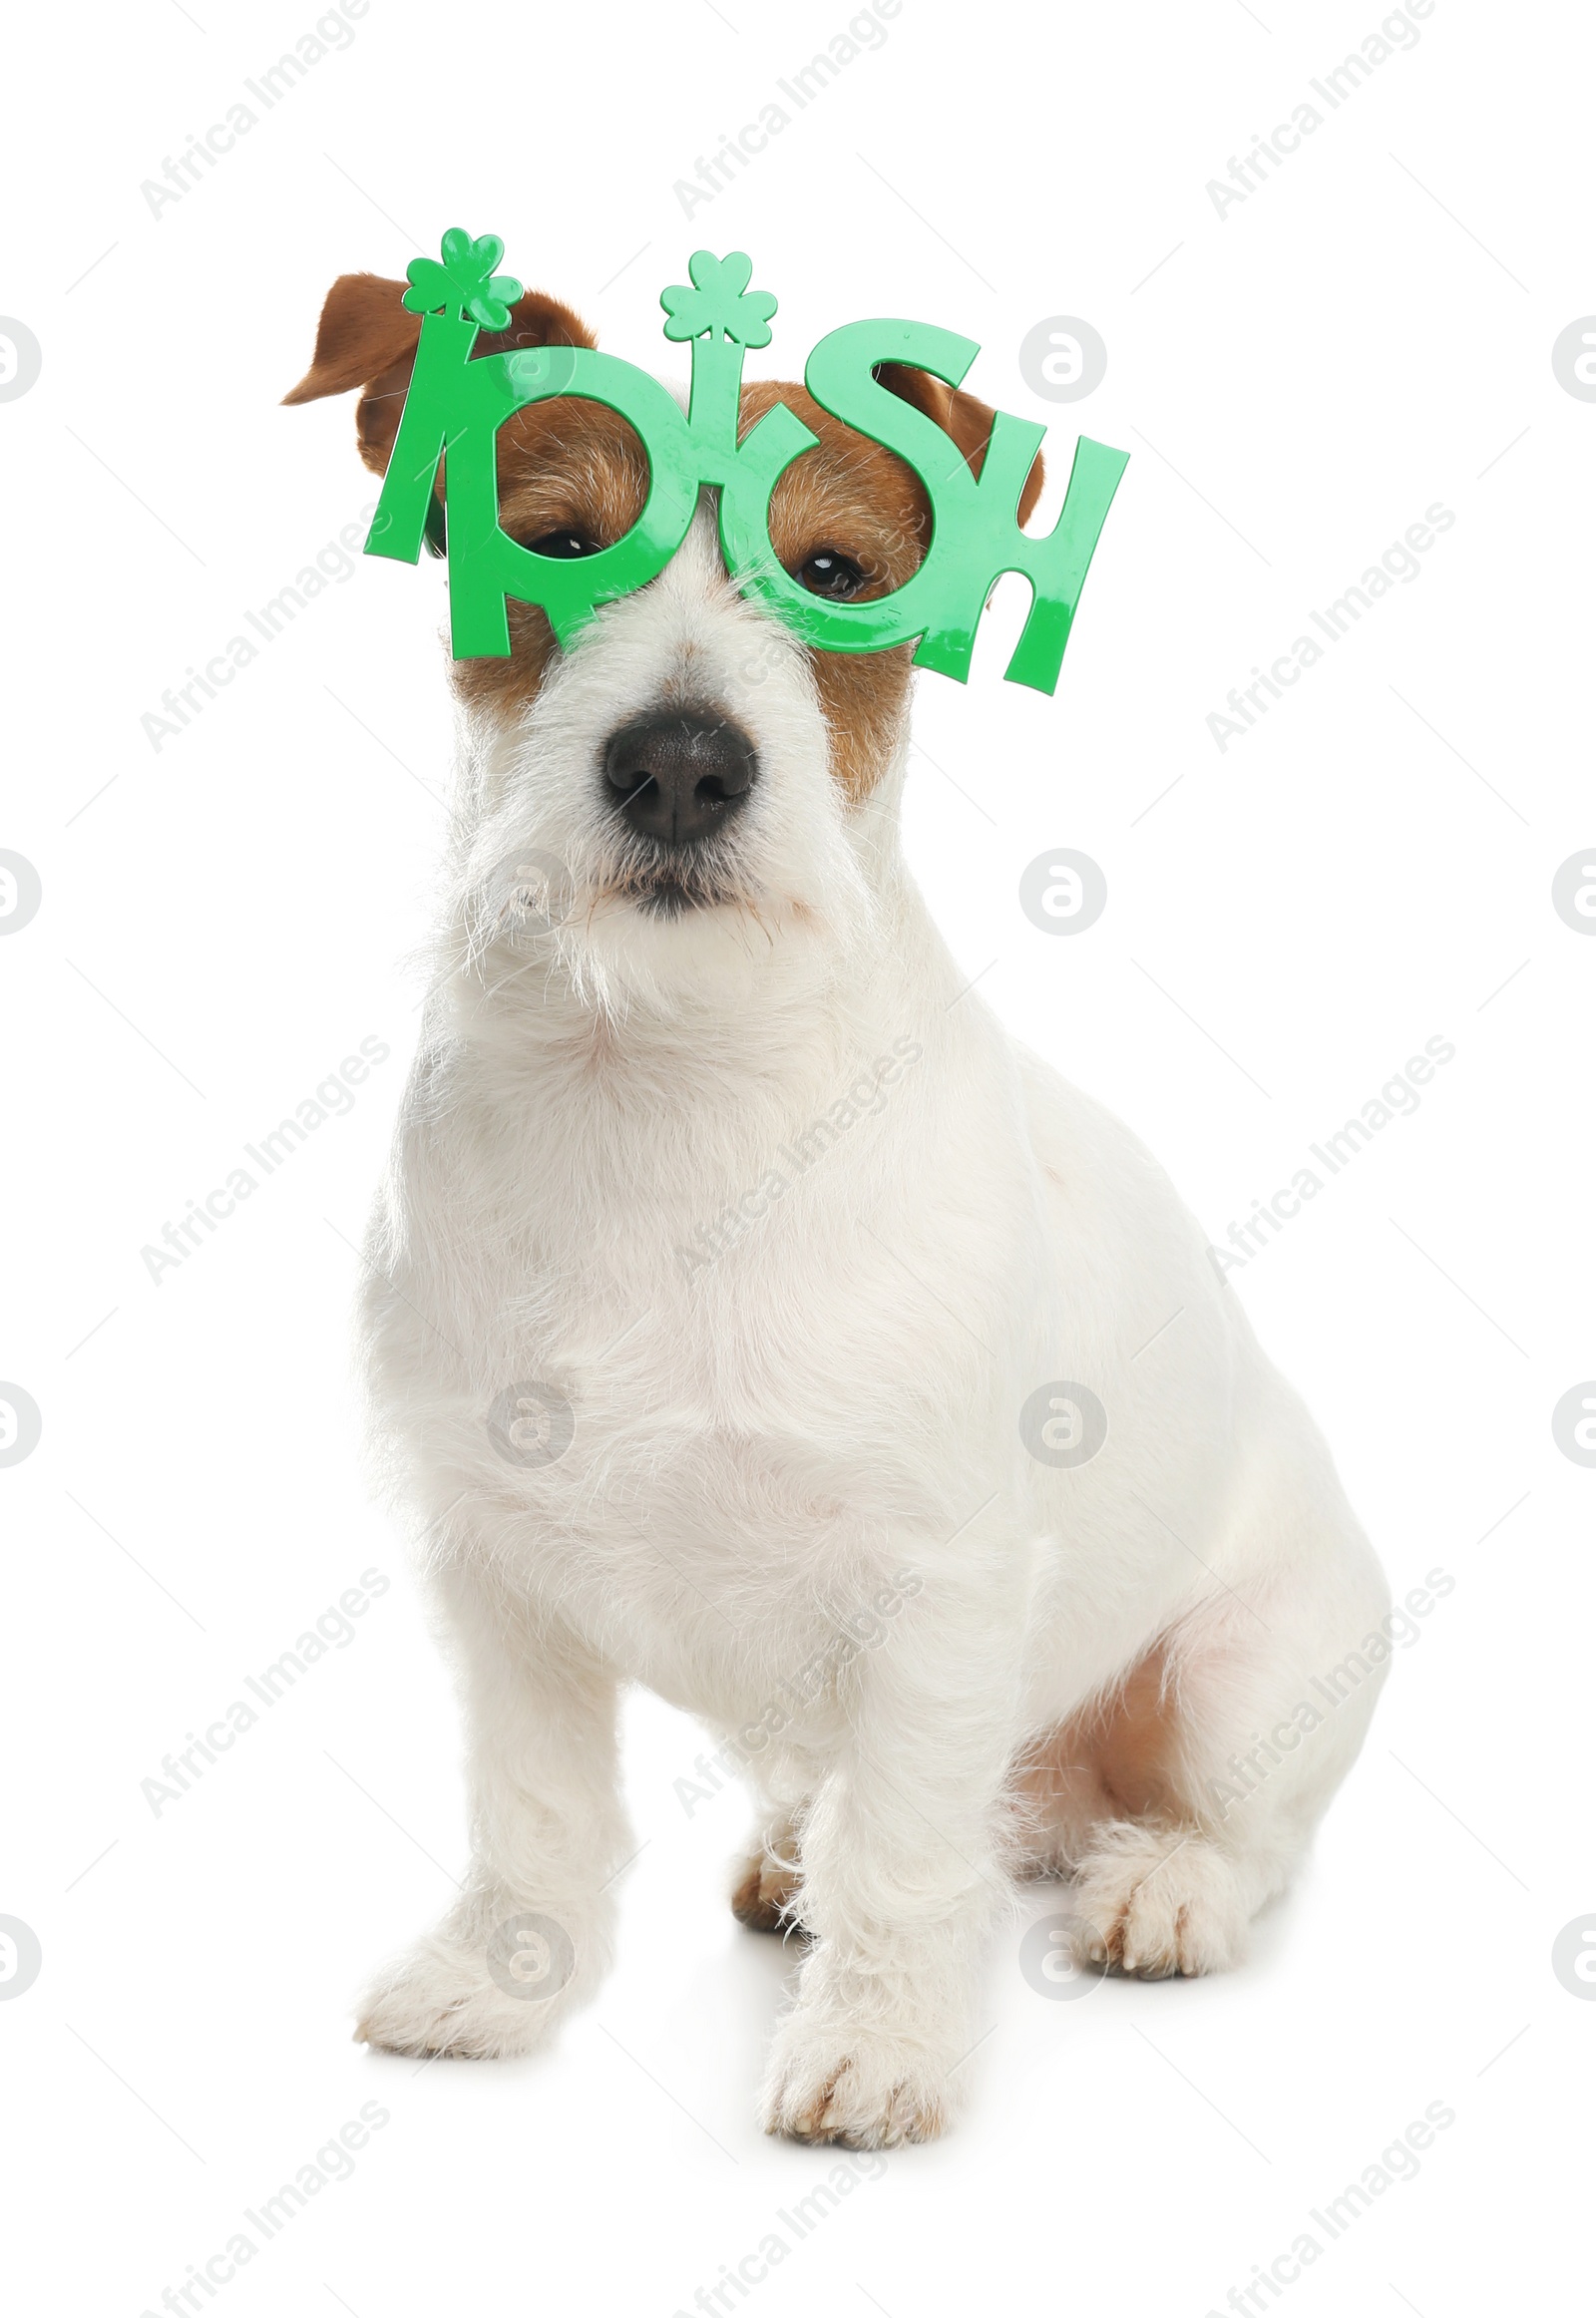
[
  {"x": 1157, "y": 1903},
  {"x": 864, "y": 2088},
  {"x": 764, "y": 1891},
  {"x": 441, "y": 1999}
]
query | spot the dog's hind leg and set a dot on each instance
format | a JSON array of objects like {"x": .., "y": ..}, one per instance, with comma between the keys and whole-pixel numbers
[
  {"x": 766, "y": 1887},
  {"x": 1060, "y": 1789},
  {"x": 1218, "y": 1755}
]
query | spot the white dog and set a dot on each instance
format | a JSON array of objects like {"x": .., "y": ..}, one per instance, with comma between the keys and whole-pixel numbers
[{"x": 751, "y": 1317}]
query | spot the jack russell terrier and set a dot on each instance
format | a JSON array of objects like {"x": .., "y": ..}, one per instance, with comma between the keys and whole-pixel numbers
[{"x": 741, "y": 1289}]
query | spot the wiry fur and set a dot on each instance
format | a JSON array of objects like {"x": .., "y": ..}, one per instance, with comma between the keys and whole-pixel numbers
[{"x": 764, "y": 1440}]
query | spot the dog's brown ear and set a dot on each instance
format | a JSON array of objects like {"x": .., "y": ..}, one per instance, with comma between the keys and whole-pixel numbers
[
  {"x": 366, "y": 338},
  {"x": 958, "y": 415}
]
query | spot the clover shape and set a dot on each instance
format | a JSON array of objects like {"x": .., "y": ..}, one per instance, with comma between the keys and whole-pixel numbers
[
  {"x": 465, "y": 284},
  {"x": 719, "y": 302}
]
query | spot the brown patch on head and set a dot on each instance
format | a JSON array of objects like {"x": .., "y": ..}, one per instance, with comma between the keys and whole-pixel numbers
[
  {"x": 575, "y": 466},
  {"x": 367, "y": 339},
  {"x": 962, "y": 417},
  {"x": 565, "y": 466},
  {"x": 855, "y": 498},
  {"x": 852, "y": 496}
]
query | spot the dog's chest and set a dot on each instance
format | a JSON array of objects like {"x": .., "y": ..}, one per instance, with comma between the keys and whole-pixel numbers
[
  {"x": 710, "y": 1496},
  {"x": 720, "y": 1375}
]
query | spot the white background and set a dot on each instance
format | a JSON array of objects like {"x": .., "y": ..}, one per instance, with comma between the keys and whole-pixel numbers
[{"x": 226, "y": 918}]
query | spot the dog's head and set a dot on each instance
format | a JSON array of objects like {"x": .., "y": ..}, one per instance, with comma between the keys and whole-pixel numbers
[{"x": 688, "y": 791}]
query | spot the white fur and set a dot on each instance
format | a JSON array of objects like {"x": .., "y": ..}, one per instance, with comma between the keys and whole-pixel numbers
[{"x": 763, "y": 1441}]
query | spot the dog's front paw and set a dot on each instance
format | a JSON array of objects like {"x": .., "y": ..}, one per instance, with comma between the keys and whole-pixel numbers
[
  {"x": 452, "y": 1995},
  {"x": 1156, "y": 1902},
  {"x": 865, "y": 2086}
]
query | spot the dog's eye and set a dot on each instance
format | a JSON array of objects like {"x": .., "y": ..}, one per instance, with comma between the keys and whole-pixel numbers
[
  {"x": 564, "y": 543},
  {"x": 831, "y": 574}
]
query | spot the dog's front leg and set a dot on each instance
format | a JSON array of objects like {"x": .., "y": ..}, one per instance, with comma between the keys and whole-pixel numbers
[
  {"x": 529, "y": 1935},
  {"x": 903, "y": 1873}
]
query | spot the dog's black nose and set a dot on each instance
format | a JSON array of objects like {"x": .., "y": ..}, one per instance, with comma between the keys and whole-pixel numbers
[{"x": 677, "y": 775}]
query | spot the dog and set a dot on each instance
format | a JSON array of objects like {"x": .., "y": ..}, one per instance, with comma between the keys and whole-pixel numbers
[{"x": 749, "y": 1316}]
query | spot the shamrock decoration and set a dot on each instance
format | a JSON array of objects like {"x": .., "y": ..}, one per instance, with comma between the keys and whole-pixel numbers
[
  {"x": 465, "y": 286},
  {"x": 719, "y": 301}
]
